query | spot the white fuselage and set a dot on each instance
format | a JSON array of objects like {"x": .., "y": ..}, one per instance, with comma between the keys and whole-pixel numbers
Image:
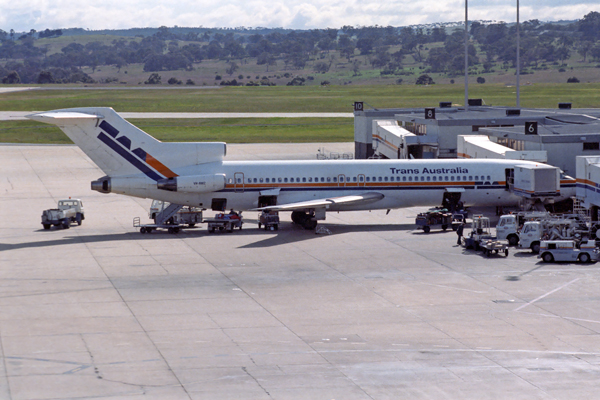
[{"x": 403, "y": 183}]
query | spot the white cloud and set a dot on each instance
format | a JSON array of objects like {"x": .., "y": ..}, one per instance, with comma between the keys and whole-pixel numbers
[{"x": 112, "y": 14}]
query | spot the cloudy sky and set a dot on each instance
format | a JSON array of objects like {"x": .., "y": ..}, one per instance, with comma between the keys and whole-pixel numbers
[{"x": 24, "y": 15}]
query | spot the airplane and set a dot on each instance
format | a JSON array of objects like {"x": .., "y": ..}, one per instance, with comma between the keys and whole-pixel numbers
[{"x": 197, "y": 174}]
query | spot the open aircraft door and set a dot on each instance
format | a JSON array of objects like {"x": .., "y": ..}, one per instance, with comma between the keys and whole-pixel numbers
[{"x": 238, "y": 182}]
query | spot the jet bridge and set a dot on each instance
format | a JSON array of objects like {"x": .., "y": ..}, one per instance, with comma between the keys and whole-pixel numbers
[
  {"x": 480, "y": 146},
  {"x": 394, "y": 142}
]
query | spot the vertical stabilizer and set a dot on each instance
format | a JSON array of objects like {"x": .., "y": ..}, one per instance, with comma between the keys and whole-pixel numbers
[{"x": 120, "y": 148}]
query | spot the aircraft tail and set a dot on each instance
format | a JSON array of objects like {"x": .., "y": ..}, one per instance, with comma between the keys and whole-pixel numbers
[{"x": 120, "y": 148}]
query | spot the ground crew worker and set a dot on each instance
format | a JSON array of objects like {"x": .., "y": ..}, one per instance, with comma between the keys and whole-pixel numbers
[{"x": 459, "y": 232}]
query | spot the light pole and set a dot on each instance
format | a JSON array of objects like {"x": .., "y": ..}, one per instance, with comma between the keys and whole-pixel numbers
[
  {"x": 466, "y": 55},
  {"x": 518, "y": 61}
]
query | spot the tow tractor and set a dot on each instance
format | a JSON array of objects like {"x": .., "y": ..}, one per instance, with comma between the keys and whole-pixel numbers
[
  {"x": 224, "y": 222},
  {"x": 480, "y": 238},
  {"x": 269, "y": 219},
  {"x": 434, "y": 217},
  {"x": 567, "y": 250}
]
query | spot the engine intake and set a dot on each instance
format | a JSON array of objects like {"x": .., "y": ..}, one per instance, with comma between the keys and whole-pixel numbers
[{"x": 193, "y": 183}]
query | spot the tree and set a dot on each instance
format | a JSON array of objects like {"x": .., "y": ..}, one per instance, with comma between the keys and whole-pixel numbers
[
  {"x": 45, "y": 77},
  {"x": 232, "y": 68},
  {"x": 12, "y": 78},
  {"x": 153, "y": 79},
  {"x": 480, "y": 79},
  {"x": 424, "y": 80}
]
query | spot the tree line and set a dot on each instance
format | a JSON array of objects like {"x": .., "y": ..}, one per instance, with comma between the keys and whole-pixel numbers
[{"x": 386, "y": 48}]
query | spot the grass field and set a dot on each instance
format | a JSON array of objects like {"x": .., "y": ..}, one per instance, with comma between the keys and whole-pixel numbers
[
  {"x": 269, "y": 99},
  {"x": 237, "y": 130}
]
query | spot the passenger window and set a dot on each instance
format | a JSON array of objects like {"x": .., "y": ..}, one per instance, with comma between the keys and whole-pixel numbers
[
  {"x": 368, "y": 179},
  {"x": 489, "y": 178},
  {"x": 249, "y": 180},
  {"x": 380, "y": 179},
  {"x": 470, "y": 177},
  {"x": 452, "y": 178},
  {"x": 255, "y": 180},
  {"x": 285, "y": 180},
  {"x": 322, "y": 179},
  {"x": 422, "y": 179},
  {"x": 278, "y": 179},
  {"x": 334, "y": 179},
  {"x": 410, "y": 178},
  {"x": 403, "y": 179},
  {"x": 428, "y": 179},
  {"x": 261, "y": 179},
  {"x": 385, "y": 179},
  {"x": 434, "y": 178},
  {"x": 267, "y": 180},
  {"x": 310, "y": 179},
  {"x": 328, "y": 179},
  {"x": 354, "y": 179},
  {"x": 361, "y": 178}
]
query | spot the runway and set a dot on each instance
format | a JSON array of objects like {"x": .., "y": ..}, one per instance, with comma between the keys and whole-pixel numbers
[{"x": 374, "y": 310}]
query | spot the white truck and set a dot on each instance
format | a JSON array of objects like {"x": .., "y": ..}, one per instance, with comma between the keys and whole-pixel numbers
[
  {"x": 554, "y": 228},
  {"x": 510, "y": 225},
  {"x": 67, "y": 212}
]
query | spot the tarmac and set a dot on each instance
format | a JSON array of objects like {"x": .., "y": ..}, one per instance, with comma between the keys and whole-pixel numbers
[{"x": 374, "y": 310}]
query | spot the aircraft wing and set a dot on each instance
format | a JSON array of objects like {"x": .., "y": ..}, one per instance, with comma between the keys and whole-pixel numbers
[{"x": 326, "y": 203}]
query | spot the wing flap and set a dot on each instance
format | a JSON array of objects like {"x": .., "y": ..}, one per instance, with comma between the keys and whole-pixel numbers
[{"x": 326, "y": 203}]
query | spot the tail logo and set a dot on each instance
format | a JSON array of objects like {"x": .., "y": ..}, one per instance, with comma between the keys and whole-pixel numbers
[{"x": 138, "y": 157}]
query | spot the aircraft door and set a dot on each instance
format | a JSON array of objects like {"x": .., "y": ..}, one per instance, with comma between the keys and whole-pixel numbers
[
  {"x": 361, "y": 180},
  {"x": 238, "y": 182}
]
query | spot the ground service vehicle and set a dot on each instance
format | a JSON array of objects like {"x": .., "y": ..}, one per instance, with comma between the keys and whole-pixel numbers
[
  {"x": 189, "y": 216},
  {"x": 493, "y": 246},
  {"x": 480, "y": 230},
  {"x": 552, "y": 228},
  {"x": 269, "y": 219},
  {"x": 567, "y": 250},
  {"x": 67, "y": 211},
  {"x": 434, "y": 217},
  {"x": 458, "y": 218},
  {"x": 510, "y": 225},
  {"x": 224, "y": 222}
]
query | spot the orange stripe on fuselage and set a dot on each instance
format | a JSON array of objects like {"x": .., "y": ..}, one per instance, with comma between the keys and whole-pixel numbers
[{"x": 160, "y": 167}]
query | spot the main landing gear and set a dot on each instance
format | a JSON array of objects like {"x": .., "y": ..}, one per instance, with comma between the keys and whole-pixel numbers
[{"x": 304, "y": 219}]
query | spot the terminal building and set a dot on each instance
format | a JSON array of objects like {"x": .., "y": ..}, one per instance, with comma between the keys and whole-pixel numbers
[{"x": 555, "y": 136}]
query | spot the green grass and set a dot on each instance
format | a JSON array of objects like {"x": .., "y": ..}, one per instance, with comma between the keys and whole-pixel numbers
[
  {"x": 299, "y": 99},
  {"x": 269, "y": 99},
  {"x": 237, "y": 130}
]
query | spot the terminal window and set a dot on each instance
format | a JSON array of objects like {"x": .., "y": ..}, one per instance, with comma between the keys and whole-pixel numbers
[{"x": 591, "y": 146}]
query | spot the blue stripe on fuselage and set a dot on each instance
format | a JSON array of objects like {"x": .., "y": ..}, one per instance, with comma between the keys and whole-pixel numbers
[{"x": 129, "y": 157}]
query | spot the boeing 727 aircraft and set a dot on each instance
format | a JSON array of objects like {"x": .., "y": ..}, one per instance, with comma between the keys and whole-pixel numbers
[{"x": 196, "y": 174}]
